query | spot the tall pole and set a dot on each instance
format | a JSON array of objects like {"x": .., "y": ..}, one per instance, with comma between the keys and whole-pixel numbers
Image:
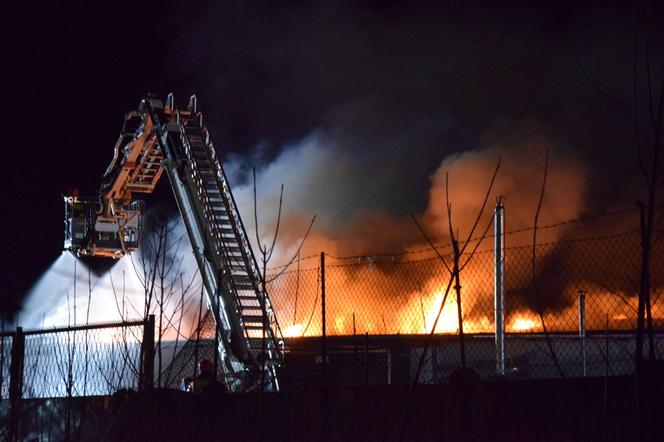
[
  {"x": 147, "y": 383},
  {"x": 322, "y": 281},
  {"x": 16, "y": 381},
  {"x": 499, "y": 285},
  {"x": 582, "y": 329},
  {"x": 324, "y": 406}
]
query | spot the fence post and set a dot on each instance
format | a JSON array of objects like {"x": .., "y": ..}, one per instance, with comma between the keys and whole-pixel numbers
[
  {"x": 366, "y": 358},
  {"x": 499, "y": 285},
  {"x": 324, "y": 397},
  {"x": 16, "y": 380},
  {"x": 582, "y": 329},
  {"x": 16, "y": 367},
  {"x": 147, "y": 381},
  {"x": 322, "y": 279}
]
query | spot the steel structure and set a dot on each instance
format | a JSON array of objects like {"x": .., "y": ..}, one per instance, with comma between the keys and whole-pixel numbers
[{"x": 156, "y": 138}]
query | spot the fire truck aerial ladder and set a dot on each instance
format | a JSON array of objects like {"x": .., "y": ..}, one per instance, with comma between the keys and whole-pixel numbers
[{"x": 158, "y": 138}]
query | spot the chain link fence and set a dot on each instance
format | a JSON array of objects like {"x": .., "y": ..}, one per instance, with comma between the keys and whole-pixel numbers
[
  {"x": 547, "y": 332},
  {"x": 5, "y": 360},
  {"x": 96, "y": 359},
  {"x": 199, "y": 346}
]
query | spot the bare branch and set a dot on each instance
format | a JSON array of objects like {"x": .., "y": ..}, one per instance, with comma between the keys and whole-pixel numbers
[
  {"x": 449, "y": 207},
  {"x": 431, "y": 243},
  {"x": 648, "y": 82},
  {"x": 534, "y": 268},
  {"x": 477, "y": 244},
  {"x": 639, "y": 154},
  {"x": 276, "y": 230},
  {"x": 297, "y": 252},
  {"x": 258, "y": 239},
  {"x": 539, "y": 206},
  {"x": 613, "y": 98},
  {"x": 486, "y": 198}
]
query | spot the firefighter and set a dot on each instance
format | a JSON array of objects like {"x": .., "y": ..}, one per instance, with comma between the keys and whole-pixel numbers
[{"x": 206, "y": 381}]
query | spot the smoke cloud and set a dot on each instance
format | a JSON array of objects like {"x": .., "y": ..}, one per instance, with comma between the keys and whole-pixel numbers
[{"x": 359, "y": 198}]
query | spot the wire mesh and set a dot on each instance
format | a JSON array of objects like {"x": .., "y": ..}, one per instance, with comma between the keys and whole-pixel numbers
[
  {"x": 98, "y": 360},
  {"x": 201, "y": 345},
  {"x": 402, "y": 294},
  {"x": 5, "y": 361}
]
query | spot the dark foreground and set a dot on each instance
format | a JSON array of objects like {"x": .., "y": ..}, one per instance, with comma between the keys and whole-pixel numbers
[{"x": 590, "y": 409}]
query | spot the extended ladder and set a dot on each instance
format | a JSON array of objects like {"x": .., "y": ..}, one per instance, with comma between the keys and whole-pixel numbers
[
  {"x": 160, "y": 137},
  {"x": 248, "y": 331}
]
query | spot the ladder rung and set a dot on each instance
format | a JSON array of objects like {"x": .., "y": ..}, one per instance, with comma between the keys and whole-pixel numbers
[
  {"x": 223, "y": 231},
  {"x": 253, "y": 327},
  {"x": 244, "y": 287},
  {"x": 253, "y": 311},
  {"x": 250, "y": 306}
]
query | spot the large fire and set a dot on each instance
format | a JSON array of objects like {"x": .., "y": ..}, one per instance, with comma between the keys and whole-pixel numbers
[{"x": 392, "y": 299}]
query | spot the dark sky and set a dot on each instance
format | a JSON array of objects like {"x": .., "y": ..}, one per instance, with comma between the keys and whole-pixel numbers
[{"x": 401, "y": 83}]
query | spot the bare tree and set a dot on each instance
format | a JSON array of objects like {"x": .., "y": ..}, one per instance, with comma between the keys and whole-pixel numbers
[
  {"x": 648, "y": 135},
  {"x": 648, "y": 138},
  {"x": 166, "y": 287}
]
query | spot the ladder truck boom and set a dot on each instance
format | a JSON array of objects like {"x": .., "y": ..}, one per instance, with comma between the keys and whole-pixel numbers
[{"x": 159, "y": 138}]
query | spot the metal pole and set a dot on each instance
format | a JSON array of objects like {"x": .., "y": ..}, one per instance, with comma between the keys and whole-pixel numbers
[
  {"x": 16, "y": 367},
  {"x": 366, "y": 358},
  {"x": 582, "y": 329},
  {"x": 322, "y": 279},
  {"x": 606, "y": 385},
  {"x": 499, "y": 285},
  {"x": 2, "y": 350},
  {"x": 147, "y": 383},
  {"x": 16, "y": 380},
  {"x": 357, "y": 365}
]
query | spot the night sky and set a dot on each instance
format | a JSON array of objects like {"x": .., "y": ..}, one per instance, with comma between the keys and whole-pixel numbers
[{"x": 398, "y": 85}]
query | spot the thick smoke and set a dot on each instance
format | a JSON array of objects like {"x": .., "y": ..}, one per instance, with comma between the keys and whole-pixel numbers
[
  {"x": 358, "y": 194},
  {"x": 360, "y": 211}
]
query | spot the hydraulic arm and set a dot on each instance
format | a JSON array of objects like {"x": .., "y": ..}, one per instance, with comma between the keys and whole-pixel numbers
[{"x": 158, "y": 138}]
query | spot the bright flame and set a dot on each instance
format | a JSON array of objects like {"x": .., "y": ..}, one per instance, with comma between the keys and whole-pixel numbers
[
  {"x": 523, "y": 324},
  {"x": 293, "y": 331},
  {"x": 448, "y": 321},
  {"x": 339, "y": 324}
]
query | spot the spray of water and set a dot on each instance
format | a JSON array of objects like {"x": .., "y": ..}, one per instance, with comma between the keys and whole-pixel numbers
[{"x": 71, "y": 293}]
